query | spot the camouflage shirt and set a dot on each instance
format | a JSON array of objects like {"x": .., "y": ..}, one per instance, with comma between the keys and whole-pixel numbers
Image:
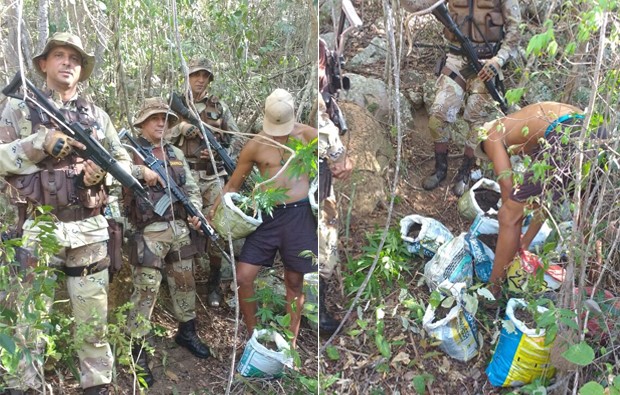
[{"x": 21, "y": 149}]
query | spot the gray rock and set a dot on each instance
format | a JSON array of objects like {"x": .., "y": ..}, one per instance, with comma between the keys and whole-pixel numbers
[
  {"x": 376, "y": 51},
  {"x": 372, "y": 94}
]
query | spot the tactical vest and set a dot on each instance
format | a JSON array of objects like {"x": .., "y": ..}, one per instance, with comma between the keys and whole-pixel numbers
[
  {"x": 212, "y": 115},
  {"x": 140, "y": 214},
  {"x": 479, "y": 20},
  {"x": 60, "y": 182}
]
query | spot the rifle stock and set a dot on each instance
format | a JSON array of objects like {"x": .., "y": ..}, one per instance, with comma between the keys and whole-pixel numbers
[
  {"x": 443, "y": 16},
  {"x": 94, "y": 150},
  {"x": 176, "y": 104}
]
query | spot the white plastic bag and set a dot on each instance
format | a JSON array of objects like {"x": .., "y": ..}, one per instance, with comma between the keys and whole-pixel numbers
[
  {"x": 433, "y": 234},
  {"x": 259, "y": 361},
  {"x": 457, "y": 331},
  {"x": 469, "y": 207},
  {"x": 229, "y": 217},
  {"x": 452, "y": 262}
]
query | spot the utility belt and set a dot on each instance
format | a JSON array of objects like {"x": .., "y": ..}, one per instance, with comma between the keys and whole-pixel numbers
[
  {"x": 93, "y": 268},
  {"x": 206, "y": 166},
  {"x": 483, "y": 51},
  {"x": 75, "y": 213}
]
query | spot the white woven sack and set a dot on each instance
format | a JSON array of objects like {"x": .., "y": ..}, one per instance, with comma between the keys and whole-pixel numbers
[
  {"x": 259, "y": 361},
  {"x": 457, "y": 331},
  {"x": 433, "y": 234},
  {"x": 229, "y": 217},
  {"x": 467, "y": 205},
  {"x": 452, "y": 262}
]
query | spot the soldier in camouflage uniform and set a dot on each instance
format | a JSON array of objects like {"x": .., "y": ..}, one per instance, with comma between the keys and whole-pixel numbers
[
  {"x": 162, "y": 243},
  {"x": 40, "y": 162},
  {"x": 217, "y": 115},
  {"x": 333, "y": 162},
  {"x": 492, "y": 27}
]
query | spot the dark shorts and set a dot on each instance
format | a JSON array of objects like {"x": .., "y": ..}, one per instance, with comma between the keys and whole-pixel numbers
[
  {"x": 558, "y": 180},
  {"x": 291, "y": 230}
]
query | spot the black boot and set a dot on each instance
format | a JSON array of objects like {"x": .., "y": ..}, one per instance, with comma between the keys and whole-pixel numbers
[
  {"x": 461, "y": 183},
  {"x": 327, "y": 323},
  {"x": 102, "y": 389},
  {"x": 441, "y": 167},
  {"x": 140, "y": 358},
  {"x": 187, "y": 337},
  {"x": 214, "y": 292}
]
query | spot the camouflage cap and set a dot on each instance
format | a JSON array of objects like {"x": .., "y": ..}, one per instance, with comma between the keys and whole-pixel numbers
[
  {"x": 197, "y": 64},
  {"x": 60, "y": 39},
  {"x": 151, "y": 106}
]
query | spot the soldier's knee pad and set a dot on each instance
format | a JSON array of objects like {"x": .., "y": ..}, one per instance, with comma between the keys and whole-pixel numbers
[{"x": 438, "y": 129}]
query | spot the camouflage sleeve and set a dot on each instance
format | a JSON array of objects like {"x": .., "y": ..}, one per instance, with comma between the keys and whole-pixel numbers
[
  {"x": 20, "y": 148},
  {"x": 237, "y": 141},
  {"x": 330, "y": 145},
  {"x": 229, "y": 120},
  {"x": 110, "y": 140},
  {"x": 191, "y": 187},
  {"x": 512, "y": 19}
]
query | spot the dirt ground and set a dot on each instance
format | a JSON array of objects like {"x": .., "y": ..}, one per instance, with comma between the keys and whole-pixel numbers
[{"x": 176, "y": 370}]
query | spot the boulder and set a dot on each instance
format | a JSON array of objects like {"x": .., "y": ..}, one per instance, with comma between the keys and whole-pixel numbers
[
  {"x": 372, "y": 94},
  {"x": 376, "y": 51},
  {"x": 370, "y": 150}
]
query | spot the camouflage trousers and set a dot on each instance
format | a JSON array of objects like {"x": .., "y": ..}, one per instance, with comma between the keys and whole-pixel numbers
[
  {"x": 210, "y": 189},
  {"x": 450, "y": 98},
  {"x": 328, "y": 236},
  {"x": 89, "y": 301},
  {"x": 147, "y": 280}
]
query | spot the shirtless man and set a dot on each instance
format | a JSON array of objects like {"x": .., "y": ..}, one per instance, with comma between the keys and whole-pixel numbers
[
  {"x": 292, "y": 228},
  {"x": 533, "y": 130}
]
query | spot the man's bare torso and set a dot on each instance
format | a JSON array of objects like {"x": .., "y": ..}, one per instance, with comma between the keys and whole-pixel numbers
[{"x": 269, "y": 158}]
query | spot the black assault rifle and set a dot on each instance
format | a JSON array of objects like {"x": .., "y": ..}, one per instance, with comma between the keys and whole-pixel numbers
[
  {"x": 176, "y": 104},
  {"x": 171, "y": 188},
  {"x": 335, "y": 63},
  {"x": 94, "y": 150},
  {"x": 442, "y": 14}
]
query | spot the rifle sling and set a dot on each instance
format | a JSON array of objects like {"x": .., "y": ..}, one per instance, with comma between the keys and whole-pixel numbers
[{"x": 457, "y": 78}]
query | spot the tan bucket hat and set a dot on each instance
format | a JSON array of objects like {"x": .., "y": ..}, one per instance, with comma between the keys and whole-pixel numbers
[
  {"x": 154, "y": 105},
  {"x": 59, "y": 39},
  {"x": 197, "y": 64},
  {"x": 279, "y": 113}
]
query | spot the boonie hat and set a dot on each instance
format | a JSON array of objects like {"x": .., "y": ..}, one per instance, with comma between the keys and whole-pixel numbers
[
  {"x": 279, "y": 113},
  {"x": 151, "y": 106},
  {"x": 59, "y": 39},
  {"x": 197, "y": 64}
]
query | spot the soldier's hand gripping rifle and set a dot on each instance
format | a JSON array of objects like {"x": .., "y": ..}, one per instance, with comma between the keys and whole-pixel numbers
[
  {"x": 93, "y": 151},
  {"x": 171, "y": 188},
  {"x": 176, "y": 104},
  {"x": 440, "y": 11}
]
